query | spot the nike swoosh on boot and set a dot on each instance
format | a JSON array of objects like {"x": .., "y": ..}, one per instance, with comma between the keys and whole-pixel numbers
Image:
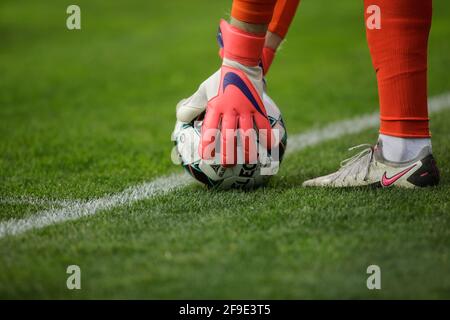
[{"x": 386, "y": 182}]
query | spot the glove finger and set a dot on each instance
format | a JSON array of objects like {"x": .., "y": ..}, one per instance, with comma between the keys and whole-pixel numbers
[
  {"x": 266, "y": 59},
  {"x": 209, "y": 133},
  {"x": 265, "y": 133},
  {"x": 248, "y": 138},
  {"x": 228, "y": 144}
]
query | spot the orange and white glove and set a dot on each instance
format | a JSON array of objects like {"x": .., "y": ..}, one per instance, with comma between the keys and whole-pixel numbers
[{"x": 232, "y": 98}]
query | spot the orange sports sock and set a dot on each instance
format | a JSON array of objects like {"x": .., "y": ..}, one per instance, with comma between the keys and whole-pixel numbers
[
  {"x": 397, "y": 34},
  {"x": 253, "y": 11},
  {"x": 282, "y": 17}
]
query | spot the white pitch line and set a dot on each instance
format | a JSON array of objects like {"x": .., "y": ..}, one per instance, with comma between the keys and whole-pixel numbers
[
  {"x": 33, "y": 201},
  {"x": 130, "y": 195},
  {"x": 172, "y": 182}
]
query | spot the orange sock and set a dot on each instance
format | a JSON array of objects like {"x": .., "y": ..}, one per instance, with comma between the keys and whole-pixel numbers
[
  {"x": 397, "y": 34},
  {"x": 253, "y": 11},
  {"x": 282, "y": 17}
]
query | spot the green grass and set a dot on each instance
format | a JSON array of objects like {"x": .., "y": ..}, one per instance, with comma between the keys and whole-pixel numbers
[{"x": 84, "y": 113}]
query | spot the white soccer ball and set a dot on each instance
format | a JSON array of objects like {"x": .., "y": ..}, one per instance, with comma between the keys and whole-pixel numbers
[{"x": 242, "y": 176}]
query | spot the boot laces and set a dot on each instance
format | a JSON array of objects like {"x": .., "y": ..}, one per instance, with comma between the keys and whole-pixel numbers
[{"x": 358, "y": 163}]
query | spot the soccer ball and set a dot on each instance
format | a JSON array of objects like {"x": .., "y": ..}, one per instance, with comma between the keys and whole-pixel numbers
[{"x": 186, "y": 137}]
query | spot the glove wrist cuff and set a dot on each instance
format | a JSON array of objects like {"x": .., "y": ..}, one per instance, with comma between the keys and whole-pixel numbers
[
  {"x": 243, "y": 47},
  {"x": 267, "y": 58}
]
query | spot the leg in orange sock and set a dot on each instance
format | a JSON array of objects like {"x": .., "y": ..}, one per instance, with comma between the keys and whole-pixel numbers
[{"x": 397, "y": 34}]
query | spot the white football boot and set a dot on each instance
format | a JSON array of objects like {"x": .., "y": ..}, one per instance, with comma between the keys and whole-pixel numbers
[{"x": 370, "y": 168}]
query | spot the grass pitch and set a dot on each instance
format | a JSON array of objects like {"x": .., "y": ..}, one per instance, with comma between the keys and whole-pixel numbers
[{"x": 88, "y": 113}]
